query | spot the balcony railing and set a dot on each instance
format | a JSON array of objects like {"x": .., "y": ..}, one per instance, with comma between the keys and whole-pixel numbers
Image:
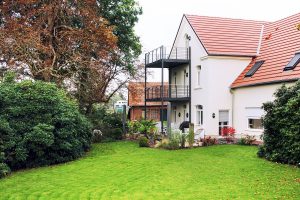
[
  {"x": 175, "y": 53},
  {"x": 167, "y": 92}
]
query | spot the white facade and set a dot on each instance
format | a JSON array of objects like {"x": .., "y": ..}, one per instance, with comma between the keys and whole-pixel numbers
[
  {"x": 247, "y": 103},
  {"x": 213, "y": 104},
  {"x": 211, "y": 77}
]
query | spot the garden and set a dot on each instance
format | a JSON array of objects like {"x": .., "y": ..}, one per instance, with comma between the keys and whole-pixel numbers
[{"x": 122, "y": 170}]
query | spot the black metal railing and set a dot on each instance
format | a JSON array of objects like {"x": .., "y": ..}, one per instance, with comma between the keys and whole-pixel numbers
[
  {"x": 167, "y": 92},
  {"x": 176, "y": 53}
]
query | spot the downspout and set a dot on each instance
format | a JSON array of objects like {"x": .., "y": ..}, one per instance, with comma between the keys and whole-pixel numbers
[
  {"x": 145, "y": 91},
  {"x": 190, "y": 84},
  {"x": 232, "y": 107}
]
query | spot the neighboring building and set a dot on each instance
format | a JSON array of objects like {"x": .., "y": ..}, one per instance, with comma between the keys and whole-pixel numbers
[
  {"x": 136, "y": 103},
  {"x": 222, "y": 70}
]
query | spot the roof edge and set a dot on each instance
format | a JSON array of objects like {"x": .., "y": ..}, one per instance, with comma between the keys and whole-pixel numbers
[
  {"x": 194, "y": 33},
  {"x": 232, "y": 55},
  {"x": 266, "y": 83}
]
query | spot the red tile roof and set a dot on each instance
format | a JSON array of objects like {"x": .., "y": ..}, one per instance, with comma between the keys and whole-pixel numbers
[
  {"x": 225, "y": 36},
  {"x": 280, "y": 42}
]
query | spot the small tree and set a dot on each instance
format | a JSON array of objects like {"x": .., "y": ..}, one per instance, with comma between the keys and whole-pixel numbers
[{"x": 282, "y": 126}]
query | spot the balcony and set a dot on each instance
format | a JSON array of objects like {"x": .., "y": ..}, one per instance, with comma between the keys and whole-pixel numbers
[
  {"x": 167, "y": 57},
  {"x": 168, "y": 93}
]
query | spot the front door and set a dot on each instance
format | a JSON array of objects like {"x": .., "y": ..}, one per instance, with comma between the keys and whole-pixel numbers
[{"x": 223, "y": 119}]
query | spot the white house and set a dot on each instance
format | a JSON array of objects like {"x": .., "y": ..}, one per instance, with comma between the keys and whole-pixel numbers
[{"x": 222, "y": 70}]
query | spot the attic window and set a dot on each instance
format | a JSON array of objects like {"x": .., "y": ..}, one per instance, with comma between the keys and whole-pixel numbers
[
  {"x": 293, "y": 63},
  {"x": 255, "y": 67}
]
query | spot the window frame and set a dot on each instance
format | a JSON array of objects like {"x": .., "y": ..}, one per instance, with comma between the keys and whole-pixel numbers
[
  {"x": 222, "y": 125},
  {"x": 200, "y": 110},
  {"x": 254, "y": 68},
  {"x": 254, "y": 129},
  {"x": 292, "y": 65},
  {"x": 198, "y": 84}
]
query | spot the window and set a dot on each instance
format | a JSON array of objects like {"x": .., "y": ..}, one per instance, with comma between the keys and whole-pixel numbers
[
  {"x": 255, "y": 123},
  {"x": 199, "y": 115},
  {"x": 199, "y": 75},
  {"x": 223, "y": 119},
  {"x": 293, "y": 63},
  {"x": 254, "y": 117},
  {"x": 254, "y": 68}
]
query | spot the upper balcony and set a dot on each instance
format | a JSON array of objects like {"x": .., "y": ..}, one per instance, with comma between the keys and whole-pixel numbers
[
  {"x": 168, "y": 92},
  {"x": 163, "y": 57}
]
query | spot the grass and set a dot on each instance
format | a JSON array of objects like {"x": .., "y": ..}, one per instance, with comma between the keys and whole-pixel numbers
[{"x": 122, "y": 170}]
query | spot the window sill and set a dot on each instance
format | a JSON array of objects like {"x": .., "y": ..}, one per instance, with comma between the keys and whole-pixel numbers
[
  {"x": 254, "y": 130},
  {"x": 197, "y": 88}
]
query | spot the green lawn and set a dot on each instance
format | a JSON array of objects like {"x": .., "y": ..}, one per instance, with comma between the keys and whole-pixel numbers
[{"x": 122, "y": 170}]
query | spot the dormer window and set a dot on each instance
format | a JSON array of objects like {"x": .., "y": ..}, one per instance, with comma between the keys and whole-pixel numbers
[
  {"x": 293, "y": 63},
  {"x": 254, "y": 68}
]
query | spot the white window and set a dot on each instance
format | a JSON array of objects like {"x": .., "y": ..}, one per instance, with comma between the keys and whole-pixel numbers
[
  {"x": 255, "y": 123},
  {"x": 223, "y": 119},
  {"x": 199, "y": 115},
  {"x": 254, "y": 118},
  {"x": 199, "y": 75}
]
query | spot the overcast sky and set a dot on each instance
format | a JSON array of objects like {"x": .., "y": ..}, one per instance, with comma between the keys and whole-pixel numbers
[{"x": 160, "y": 20}]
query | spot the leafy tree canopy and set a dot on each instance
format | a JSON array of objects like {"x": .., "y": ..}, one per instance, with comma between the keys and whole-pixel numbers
[{"x": 123, "y": 14}]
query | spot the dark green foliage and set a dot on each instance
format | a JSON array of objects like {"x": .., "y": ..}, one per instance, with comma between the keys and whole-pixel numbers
[
  {"x": 110, "y": 124},
  {"x": 282, "y": 127},
  {"x": 39, "y": 125},
  {"x": 143, "y": 142},
  {"x": 123, "y": 14}
]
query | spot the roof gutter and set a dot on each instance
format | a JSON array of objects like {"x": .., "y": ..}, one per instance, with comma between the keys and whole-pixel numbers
[
  {"x": 267, "y": 83},
  {"x": 231, "y": 55}
]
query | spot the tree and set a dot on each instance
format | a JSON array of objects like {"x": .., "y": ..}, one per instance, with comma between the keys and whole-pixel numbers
[
  {"x": 123, "y": 14},
  {"x": 69, "y": 42},
  {"x": 282, "y": 126},
  {"x": 55, "y": 38}
]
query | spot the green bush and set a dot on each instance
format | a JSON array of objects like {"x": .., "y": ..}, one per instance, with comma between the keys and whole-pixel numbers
[
  {"x": 143, "y": 142},
  {"x": 282, "y": 127},
  {"x": 110, "y": 124},
  {"x": 174, "y": 140},
  {"x": 39, "y": 125},
  {"x": 191, "y": 135}
]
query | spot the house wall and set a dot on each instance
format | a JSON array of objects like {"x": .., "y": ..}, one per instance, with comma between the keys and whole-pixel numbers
[
  {"x": 183, "y": 109},
  {"x": 250, "y": 97},
  {"x": 214, "y": 92},
  {"x": 217, "y": 74},
  {"x": 153, "y": 112}
]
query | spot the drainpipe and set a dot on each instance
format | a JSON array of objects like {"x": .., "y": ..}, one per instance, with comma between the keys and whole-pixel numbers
[{"x": 232, "y": 107}]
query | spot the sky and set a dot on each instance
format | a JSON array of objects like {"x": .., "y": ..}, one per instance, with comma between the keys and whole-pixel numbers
[{"x": 161, "y": 18}]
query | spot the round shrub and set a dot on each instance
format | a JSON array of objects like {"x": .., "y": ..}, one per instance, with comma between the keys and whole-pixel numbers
[
  {"x": 109, "y": 124},
  {"x": 282, "y": 127},
  {"x": 40, "y": 125},
  {"x": 143, "y": 142}
]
